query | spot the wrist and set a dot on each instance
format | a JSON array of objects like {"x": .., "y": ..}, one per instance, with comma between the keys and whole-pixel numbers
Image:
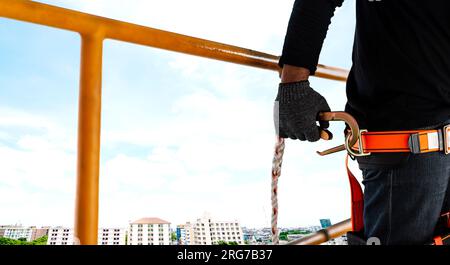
[
  {"x": 293, "y": 91},
  {"x": 291, "y": 74}
]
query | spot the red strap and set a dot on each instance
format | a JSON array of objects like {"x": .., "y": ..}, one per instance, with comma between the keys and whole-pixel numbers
[
  {"x": 438, "y": 241},
  {"x": 357, "y": 201}
]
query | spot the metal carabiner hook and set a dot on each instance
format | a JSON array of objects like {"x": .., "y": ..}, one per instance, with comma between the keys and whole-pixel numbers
[{"x": 351, "y": 139}]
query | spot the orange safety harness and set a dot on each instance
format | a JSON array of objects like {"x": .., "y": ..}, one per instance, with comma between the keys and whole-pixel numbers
[
  {"x": 363, "y": 143},
  {"x": 414, "y": 141}
]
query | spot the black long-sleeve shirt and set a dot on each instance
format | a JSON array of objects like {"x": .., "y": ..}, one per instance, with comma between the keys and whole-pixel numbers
[{"x": 400, "y": 78}]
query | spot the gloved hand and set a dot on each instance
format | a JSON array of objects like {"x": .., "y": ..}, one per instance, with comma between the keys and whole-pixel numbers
[{"x": 295, "y": 113}]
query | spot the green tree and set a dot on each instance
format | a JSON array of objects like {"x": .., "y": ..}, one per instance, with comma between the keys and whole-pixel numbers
[
  {"x": 40, "y": 241},
  {"x": 7, "y": 241},
  {"x": 23, "y": 241},
  {"x": 173, "y": 237},
  {"x": 283, "y": 235},
  {"x": 232, "y": 243}
]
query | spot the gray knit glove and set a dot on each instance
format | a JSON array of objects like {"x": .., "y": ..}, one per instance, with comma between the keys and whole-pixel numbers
[{"x": 296, "y": 108}]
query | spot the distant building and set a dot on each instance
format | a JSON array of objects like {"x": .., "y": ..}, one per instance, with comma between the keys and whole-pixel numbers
[
  {"x": 291, "y": 237},
  {"x": 181, "y": 235},
  {"x": 149, "y": 231},
  {"x": 3, "y": 229},
  {"x": 342, "y": 240},
  {"x": 111, "y": 236},
  {"x": 60, "y": 236},
  {"x": 106, "y": 236},
  {"x": 206, "y": 231},
  {"x": 37, "y": 233},
  {"x": 18, "y": 232},
  {"x": 325, "y": 223}
]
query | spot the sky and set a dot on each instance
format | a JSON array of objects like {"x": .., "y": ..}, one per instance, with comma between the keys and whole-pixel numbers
[{"x": 181, "y": 135}]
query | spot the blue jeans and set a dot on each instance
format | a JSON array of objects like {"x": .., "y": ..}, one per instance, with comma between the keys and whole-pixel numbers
[{"x": 403, "y": 203}]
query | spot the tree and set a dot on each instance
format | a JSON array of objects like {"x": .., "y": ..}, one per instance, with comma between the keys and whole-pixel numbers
[
  {"x": 23, "y": 241},
  {"x": 173, "y": 237},
  {"x": 40, "y": 241},
  {"x": 7, "y": 241},
  {"x": 232, "y": 243}
]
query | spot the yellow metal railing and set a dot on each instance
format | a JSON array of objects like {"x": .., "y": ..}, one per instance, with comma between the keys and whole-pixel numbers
[{"x": 94, "y": 30}]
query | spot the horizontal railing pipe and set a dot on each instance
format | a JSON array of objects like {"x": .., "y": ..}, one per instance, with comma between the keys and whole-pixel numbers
[
  {"x": 87, "y": 24},
  {"x": 324, "y": 235}
]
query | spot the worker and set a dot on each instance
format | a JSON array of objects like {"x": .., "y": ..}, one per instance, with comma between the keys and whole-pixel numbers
[{"x": 399, "y": 80}]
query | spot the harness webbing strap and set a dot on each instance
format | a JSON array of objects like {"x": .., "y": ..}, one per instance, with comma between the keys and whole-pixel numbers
[{"x": 357, "y": 201}]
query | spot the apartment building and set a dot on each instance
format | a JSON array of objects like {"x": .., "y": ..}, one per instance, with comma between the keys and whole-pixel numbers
[
  {"x": 185, "y": 234},
  {"x": 111, "y": 236},
  {"x": 207, "y": 231},
  {"x": 37, "y": 233},
  {"x": 106, "y": 236},
  {"x": 18, "y": 232},
  {"x": 149, "y": 231}
]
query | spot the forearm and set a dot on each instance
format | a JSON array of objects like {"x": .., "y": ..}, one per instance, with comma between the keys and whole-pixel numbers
[{"x": 306, "y": 32}]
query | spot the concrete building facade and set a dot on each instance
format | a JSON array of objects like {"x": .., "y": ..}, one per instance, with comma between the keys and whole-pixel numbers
[
  {"x": 207, "y": 231},
  {"x": 106, "y": 236},
  {"x": 149, "y": 231}
]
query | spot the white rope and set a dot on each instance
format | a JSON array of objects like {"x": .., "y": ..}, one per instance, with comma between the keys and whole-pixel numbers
[{"x": 276, "y": 172}]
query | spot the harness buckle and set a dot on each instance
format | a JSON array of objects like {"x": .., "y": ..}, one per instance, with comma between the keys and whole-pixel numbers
[
  {"x": 349, "y": 148},
  {"x": 446, "y": 135}
]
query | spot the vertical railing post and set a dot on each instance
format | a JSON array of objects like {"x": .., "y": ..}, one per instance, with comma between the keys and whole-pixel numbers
[{"x": 89, "y": 122}]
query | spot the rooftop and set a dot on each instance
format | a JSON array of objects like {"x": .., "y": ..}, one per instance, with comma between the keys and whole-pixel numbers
[{"x": 150, "y": 220}]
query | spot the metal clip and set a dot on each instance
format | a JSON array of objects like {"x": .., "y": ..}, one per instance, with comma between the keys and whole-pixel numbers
[
  {"x": 446, "y": 134},
  {"x": 351, "y": 139}
]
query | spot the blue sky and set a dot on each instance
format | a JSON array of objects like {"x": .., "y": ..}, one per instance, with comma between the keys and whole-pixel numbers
[{"x": 180, "y": 135}]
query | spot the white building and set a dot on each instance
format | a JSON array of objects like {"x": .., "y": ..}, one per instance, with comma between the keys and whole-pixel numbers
[
  {"x": 17, "y": 232},
  {"x": 60, "y": 236},
  {"x": 185, "y": 234},
  {"x": 149, "y": 231},
  {"x": 207, "y": 231},
  {"x": 111, "y": 236},
  {"x": 106, "y": 236}
]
